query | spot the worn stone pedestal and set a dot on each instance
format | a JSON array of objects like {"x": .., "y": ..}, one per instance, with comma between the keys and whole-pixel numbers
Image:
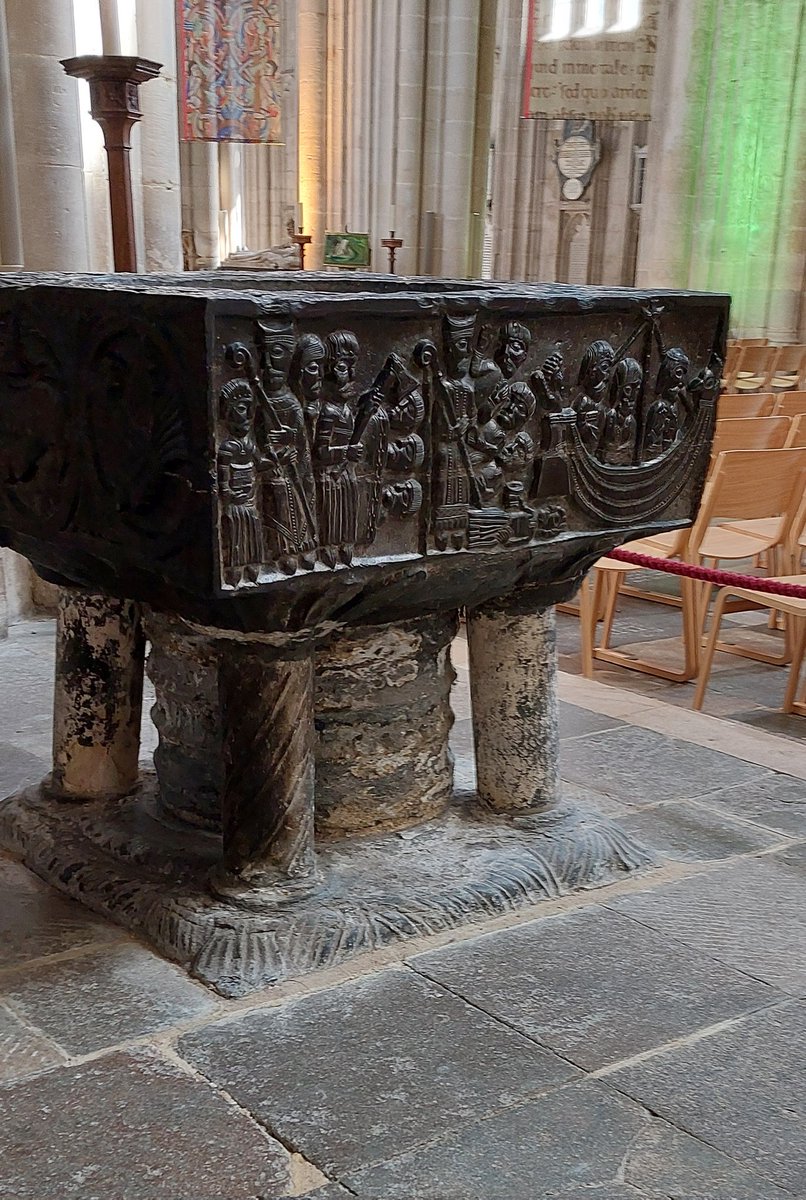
[{"x": 212, "y": 858}]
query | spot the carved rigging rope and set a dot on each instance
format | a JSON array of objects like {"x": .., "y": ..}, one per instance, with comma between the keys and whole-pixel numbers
[{"x": 771, "y": 587}]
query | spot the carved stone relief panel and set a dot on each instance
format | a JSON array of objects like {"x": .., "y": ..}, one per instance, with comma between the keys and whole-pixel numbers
[{"x": 336, "y": 447}]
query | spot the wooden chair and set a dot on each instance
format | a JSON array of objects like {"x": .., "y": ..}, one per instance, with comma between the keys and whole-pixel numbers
[
  {"x": 750, "y": 433},
  {"x": 750, "y": 485},
  {"x": 780, "y": 534},
  {"x": 731, "y": 406},
  {"x": 731, "y": 366},
  {"x": 795, "y": 609},
  {"x": 755, "y": 370},
  {"x": 790, "y": 404},
  {"x": 797, "y": 432},
  {"x": 740, "y": 433},
  {"x": 790, "y": 369}
]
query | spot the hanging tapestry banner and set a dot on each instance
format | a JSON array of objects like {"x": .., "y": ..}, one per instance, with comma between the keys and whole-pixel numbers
[
  {"x": 600, "y": 71},
  {"x": 232, "y": 87}
]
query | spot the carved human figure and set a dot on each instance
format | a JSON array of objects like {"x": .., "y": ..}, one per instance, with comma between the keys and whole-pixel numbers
[
  {"x": 516, "y": 410},
  {"x": 591, "y": 403},
  {"x": 621, "y": 424},
  {"x": 664, "y": 418},
  {"x": 548, "y": 383},
  {"x": 490, "y": 375},
  {"x": 238, "y": 468},
  {"x": 308, "y": 375},
  {"x": 288, "y": 495},
  {"x": 393, "y": 405},
  {"x": 513, "y": 346},
  {"x": 454, "y": 413},
  {"x": 486, "y": 442},
  {"x": 336, "y": 451},
  {"x": 406, "y": 409}
]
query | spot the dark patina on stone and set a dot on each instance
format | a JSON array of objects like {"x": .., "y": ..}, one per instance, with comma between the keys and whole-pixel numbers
[{"x": 299, "y": 480}]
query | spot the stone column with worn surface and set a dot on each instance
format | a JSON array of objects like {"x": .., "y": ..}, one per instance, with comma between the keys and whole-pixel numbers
[
  {"x": 383, "y": 716},
  {"x": 267, "y": 799},
  {"x": 98, "y": 696},
  {"x": 513, "y": 688},
  {"x": 236, "y": 753}
]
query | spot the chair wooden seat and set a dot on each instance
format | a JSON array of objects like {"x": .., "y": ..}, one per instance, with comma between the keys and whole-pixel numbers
[
  {"x": 790, "y": 404},
  {"x": 790, "y": 369},
  {"x": 757, "y": 404}
]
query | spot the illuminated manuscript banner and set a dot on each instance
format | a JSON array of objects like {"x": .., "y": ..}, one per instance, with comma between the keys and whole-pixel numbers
[
  {"x": 232, "y": 87},
  {"x": 600, "y": 70}
]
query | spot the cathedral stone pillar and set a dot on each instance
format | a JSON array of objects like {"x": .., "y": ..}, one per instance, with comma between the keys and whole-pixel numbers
[
  {"x": 513, "y": 687},
  {"x": 709, "y": 221},
  {"x": 48, "y": 136},
  {"x": 10, "y": 219},
  {"x": 159, "y": 141},
  {"x": 312, "y": 55},
  {"x": 448, "y": 134}
]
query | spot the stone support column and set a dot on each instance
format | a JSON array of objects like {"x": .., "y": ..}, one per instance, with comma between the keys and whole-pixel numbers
[
  {"x": 47, "y": 136},
  {"x": 383, "y": 716},
  {"x": 98, "y": 696},
  {"x": 268, "y": 759},
  {"x": 513, "y": 687},
  {"x": 236, "y": 753}
]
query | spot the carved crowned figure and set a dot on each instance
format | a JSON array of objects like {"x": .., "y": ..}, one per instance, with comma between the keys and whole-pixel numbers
[
  {"x": 238, "y": 466},
  {"x": 288, "y": 496},
  {"x": 336, "y": 451}
]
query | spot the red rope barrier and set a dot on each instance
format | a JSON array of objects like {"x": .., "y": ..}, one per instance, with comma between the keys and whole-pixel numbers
[{"x": 709, "y": 574}]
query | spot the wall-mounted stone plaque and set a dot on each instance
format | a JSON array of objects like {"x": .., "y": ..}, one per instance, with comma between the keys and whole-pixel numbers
[{"x": 598, "y": 71}]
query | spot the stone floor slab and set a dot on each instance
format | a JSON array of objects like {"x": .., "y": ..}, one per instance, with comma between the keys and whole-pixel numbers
[
  {"x": 19, "y": 768},
  {"x": 35, "y": 921},
  {"x": 775, "y": 801},
  {"x": 686, "y": 831},
  {"x": 640, "y": 766},
  {"x": 22, "y": 1052},
  {"x": 133, "y": 1126},
  {"x": 104, "y": 997},
  {"x": 333, "y": 1191},
  {"x": 576, "y": 721},
  {"x": 594, "y": 989},
  {"x": 740, "y": 1090},
  {"x": 574, "y": 1137},
  {"x": 372, "y": 1068},
  {"x": 666, "y": 1163},
  {"x": 578, "y": 1143},
  {"x": 750, "y": 915}
]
